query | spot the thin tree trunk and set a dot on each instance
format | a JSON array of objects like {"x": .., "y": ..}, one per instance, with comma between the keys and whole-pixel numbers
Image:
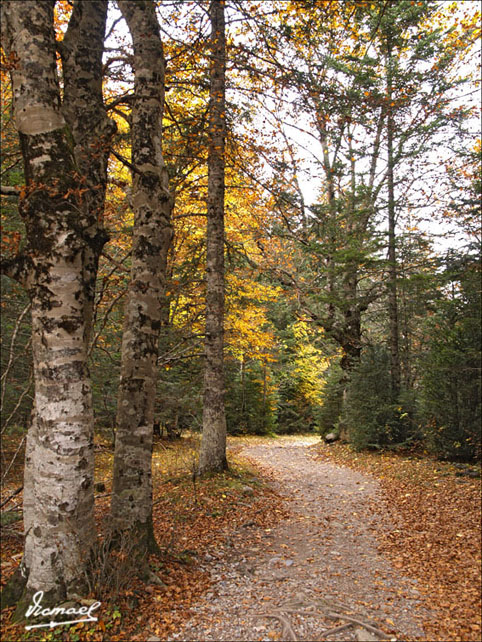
[
  {"x": 131, "y": 507},
  {"x": 59, "y": 518},
  {"x": 392, "y": 256},
  {"x": 243, "y": 387},
  {"x": 350, "y": 341},
  {"x": 213, "y": 445},
  {"x": 265, "y": 394}
]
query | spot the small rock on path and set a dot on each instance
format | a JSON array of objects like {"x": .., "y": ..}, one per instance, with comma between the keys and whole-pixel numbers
[{"x": 317, "y": 564}]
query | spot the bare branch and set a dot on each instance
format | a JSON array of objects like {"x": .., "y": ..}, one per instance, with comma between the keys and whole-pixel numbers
[
  {"x": 127, "y": 163},
  {"x": 15, "y": 492},
  {"x": 11, "y": 351},
  {"x": 13, "y": 459}
]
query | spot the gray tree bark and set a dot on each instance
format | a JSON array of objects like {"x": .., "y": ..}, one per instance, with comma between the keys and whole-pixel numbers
[
  {"x": 83, "y": 108},
  {"x": 152, "y": 203},
  {"x": 58, "y": 268},
  {"x": 213, "y": 445}
]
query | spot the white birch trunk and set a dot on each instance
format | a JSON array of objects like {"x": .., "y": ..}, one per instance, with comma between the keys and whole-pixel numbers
[
  {"x": 61, "y": 239},
  {"x": 152, "y": 203}
]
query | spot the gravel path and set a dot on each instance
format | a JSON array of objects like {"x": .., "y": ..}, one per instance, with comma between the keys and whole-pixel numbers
[{"x": 315, "y": 571}]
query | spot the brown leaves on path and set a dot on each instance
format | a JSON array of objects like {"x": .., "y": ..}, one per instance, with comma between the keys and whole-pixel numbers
[
  {"x": 437, "y": 534},
  {"x": 191, "y": 518}
]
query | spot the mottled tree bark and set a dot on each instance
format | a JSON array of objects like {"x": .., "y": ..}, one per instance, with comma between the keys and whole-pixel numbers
[
  {"x": 152, "y": 203},
  {"x": 62, "y": 237},
  {"x": 83, "y": 108},
  {"x": 213, "y": 445}
]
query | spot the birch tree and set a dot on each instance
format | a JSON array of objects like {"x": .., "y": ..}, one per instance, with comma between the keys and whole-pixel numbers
[
  {"x": 152, "y": 204},
  {"x": 60, "y": 208},
  {"x": 213, "y": 445}
]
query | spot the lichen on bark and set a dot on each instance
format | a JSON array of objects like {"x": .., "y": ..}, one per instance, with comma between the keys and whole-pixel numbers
[
  {"x": 152, "y": 203},
  {"x": 62, "y": 247}
]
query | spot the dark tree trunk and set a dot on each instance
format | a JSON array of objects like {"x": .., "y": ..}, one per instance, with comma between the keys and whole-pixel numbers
[
  {"x": 351, "y": 344},
  {"x": 83, "y": 108},
  {"x": 392, "y": 255},
  {"x": 213, "y": 446}
]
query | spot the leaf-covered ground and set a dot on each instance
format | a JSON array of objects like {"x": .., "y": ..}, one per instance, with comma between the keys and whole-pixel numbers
[
  {"x": 437, "y": 510},
  {"x": 436, "y": 539},
  {"x": 189, "y": 520}
]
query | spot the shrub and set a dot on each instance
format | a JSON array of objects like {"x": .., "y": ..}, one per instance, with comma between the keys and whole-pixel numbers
[
  {"x": 328, "y": 415},
  {"x": 373, "y": 418},
  {"x": 114, "y": 564},
  {"x": 451, "y": 399}
]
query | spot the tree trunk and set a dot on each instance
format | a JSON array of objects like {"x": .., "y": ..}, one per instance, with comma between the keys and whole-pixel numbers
[
  {"x": 392, "y": 256},
  {"x": 350, "y": 341},
  {"x": 61, "y": 235},
  {"x": 213, "y": 445},
  {"x": 131, "y": 507},
  {"x": 83, "y": 108}
]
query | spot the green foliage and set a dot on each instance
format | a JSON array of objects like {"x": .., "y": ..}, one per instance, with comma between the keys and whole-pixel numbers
[
  {"x": 451, "y": 381},
  {"x": 249, "y": 402},
  {"x": 374, "y": 419},
  {"x": 180, "y": 382},
  {"x": 105, "y": 367},
  {"x": 299, "y": 370},
  {"x": 15, "y": 357},
  {"x": 329, "y": 413},
  {"x": 294, "y": 412}
]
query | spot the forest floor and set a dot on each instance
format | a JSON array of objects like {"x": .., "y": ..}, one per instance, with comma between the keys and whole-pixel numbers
[
  {"x": 299, "y": 541},
  {"x": 356, "y": 559}
]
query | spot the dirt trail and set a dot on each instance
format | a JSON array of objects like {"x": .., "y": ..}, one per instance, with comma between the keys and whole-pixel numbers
[{"x": 317, "y": 570}]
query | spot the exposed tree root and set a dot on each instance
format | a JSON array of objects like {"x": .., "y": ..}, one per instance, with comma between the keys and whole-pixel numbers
[
  {"x": 289, "y": 634},
  {"x": 369, "y": 627},
  {"x": 336, "y": 629}
]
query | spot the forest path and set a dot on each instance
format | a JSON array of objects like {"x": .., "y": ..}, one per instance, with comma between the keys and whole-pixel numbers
[{"x": 292, "y": 581}]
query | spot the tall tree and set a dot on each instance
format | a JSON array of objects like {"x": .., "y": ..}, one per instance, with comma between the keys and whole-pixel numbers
[
  {"x": 152, "y": 203},
  {"x": 60, "y": 207},
  {"x": 213, "y": 446},
  {"x": 83, "y": 107},
  {"x": 361, "y": 80},
  {"x": 420, "y": 66},
  {"x": 395, "y": 370},
  {"x": 329, "y": 81}
]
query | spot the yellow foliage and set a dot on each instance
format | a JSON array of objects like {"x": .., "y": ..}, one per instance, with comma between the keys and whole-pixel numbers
[{"x": 310, "y": 363}]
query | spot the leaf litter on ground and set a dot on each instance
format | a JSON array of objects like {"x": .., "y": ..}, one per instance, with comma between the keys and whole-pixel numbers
[
  {"x": 436, "y": 539},
  {"x": 192, "y": 518}
]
